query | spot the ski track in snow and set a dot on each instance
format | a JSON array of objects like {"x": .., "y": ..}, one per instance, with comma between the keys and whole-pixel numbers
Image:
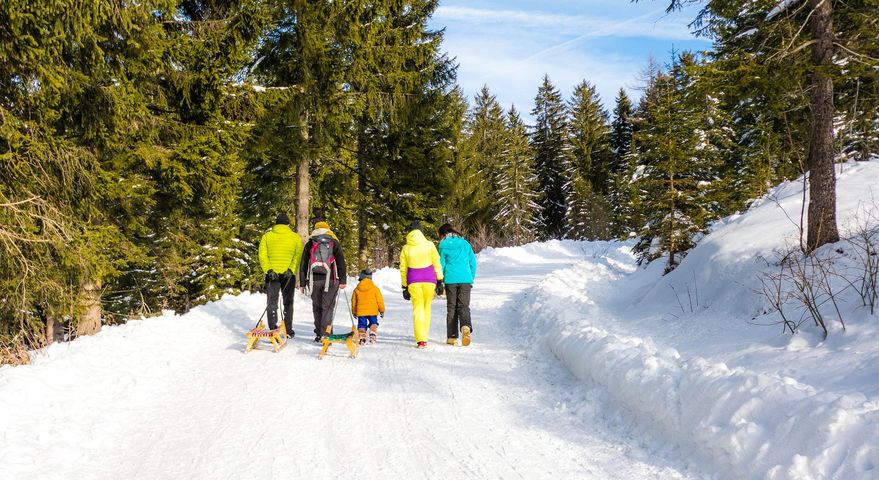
[{"x": 175, "y": 397}]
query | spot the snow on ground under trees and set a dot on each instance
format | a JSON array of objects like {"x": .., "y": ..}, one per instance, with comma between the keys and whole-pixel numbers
[{"x": 583, "y": 365}]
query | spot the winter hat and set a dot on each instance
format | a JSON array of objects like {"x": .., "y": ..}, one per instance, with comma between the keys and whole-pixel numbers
[
  {"x": 365, "y": 274},
  {"x": 415, "y": 225},
  {"x": 282, "y": 219},
  {"x": 322, "y": 225}
]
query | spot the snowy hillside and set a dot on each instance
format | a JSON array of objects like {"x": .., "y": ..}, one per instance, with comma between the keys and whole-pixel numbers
[
  {"x": 583, "y": 365},
  {"x": 687, "y": 359}
]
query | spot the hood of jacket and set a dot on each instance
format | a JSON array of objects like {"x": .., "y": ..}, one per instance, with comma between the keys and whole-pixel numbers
[
  {"x": 415, "y": 237},
  {"x": 365, "y": 285}
]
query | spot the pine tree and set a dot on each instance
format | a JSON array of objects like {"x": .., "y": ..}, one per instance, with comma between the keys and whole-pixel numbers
[
  {"x": 487, "y": 140},
  {"x": 588, "y": 215},
  {"x": 618, "y": 184},
  {"x": 549, "y": 139},
  {"x": 677, "y": 169},
  {"x": 516, "y": 182}
]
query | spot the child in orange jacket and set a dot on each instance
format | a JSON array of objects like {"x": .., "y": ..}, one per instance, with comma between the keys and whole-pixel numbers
[{"x": 367, "y": 304}]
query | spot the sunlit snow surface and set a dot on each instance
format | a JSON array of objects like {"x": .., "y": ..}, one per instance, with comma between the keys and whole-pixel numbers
[{"x": 583, "y": 366}]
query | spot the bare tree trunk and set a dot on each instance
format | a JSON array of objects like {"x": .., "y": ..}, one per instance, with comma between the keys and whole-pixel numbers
[
  {"x": 362, "y": 220},
  {"x": 822, "y": 179},
  {"x": 90, "y": 323},
  {"x": 303, "y": 187},
  {"x": 50, "y": 330}
]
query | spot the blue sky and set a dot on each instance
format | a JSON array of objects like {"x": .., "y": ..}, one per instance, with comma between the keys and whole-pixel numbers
[{"x": 509, "y": 45}]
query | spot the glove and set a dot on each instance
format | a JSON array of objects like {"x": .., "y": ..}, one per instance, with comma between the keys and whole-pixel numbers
[
  {"x": 381, "y": 314},
  {"x": 439, "y": 288},
  {"x": 272, "y": 276},
  {"x": 406, "y": 295},
  {"x": 287, "y": 275}
]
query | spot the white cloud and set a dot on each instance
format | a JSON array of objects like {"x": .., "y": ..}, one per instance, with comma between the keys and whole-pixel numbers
[{"x": 653, "y": 24}]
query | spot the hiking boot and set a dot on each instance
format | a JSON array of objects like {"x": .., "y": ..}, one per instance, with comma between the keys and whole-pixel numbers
[
  {"x": 465, "y": 336},
  {"x": 317, "y": 339},
  {"x": 372, "y": 337},
  {"x": 363, "y": 340},
  {"x": 422, "y": 345},
  {"x": 452, "y": 341}
]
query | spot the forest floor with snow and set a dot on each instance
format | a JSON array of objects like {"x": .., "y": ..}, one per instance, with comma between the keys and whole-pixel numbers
[{"x": 584, "y": 365}]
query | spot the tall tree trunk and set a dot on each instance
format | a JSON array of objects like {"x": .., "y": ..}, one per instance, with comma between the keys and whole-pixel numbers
[
  {"x": 50, "y": 330},
  {"x": 822, "y": 179},
  {"x": 362, "y": 220},
  {"x": 303, "y": 187},
  {"x": 90, "y": 323}
]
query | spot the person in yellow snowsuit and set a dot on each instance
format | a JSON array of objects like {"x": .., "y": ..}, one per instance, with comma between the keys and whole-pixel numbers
[{"x": 422, "y": 278}]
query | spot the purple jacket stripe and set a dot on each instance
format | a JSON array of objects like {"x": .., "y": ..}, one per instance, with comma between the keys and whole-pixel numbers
[{"x": 421, "y": 275}]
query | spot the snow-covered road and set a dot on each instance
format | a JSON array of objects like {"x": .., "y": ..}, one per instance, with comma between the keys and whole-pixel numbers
[{"x": 175, "y": 397}]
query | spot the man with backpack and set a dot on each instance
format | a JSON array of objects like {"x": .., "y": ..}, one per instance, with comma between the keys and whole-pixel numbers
[
  {"x": 280, "y": 250},
  {"x": 322, "y": 270}
]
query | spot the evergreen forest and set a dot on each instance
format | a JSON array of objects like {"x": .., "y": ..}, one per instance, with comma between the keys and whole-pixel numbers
[{"x": 146, "y": 146}]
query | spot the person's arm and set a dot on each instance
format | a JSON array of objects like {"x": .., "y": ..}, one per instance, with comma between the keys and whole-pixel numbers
[
  {"x": 380, "y": 300},
  {"x": 404, "y": 267},
  {"x": 354, "y": 303},
  {"x": 442, "y": 257},
  {"x": 341, "y": 271},
  {"x": 472, "y": 261},
  {"x": 264, "y": 255},
  {"x": 435, "y": 260},
  {"x": 303, "y": 263},
  {"x": 297, "y": 254}
]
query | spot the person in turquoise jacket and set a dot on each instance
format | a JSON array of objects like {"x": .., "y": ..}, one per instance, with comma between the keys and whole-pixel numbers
[
  {"x": 459, "y": 270},
  {"x": 280, "y": 250}
]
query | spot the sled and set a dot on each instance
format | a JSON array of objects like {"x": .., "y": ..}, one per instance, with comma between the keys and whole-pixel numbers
[
  {"x": 278, "y": 336},
  {"x": 351, "y": 340}
]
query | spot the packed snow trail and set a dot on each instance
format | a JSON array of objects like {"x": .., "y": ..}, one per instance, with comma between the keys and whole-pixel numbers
[{"x": 175, "y": 397}]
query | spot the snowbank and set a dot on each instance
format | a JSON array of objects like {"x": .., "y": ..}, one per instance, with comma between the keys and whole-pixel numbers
[{"x": 685, "y": 354}]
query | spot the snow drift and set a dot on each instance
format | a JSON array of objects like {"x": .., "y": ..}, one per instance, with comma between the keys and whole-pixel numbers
[{"x": 699, "y": 357}]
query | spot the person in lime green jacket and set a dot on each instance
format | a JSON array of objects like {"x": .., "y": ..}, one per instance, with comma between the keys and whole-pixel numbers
[
  {"x": 422, "y": 278},
  {"x": 280, "y": 251}
]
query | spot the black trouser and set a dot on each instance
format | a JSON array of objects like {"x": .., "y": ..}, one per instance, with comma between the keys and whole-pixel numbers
[
  {"x": 323, "y": 304},
  {"x": 457, "y": 308},
  {"x": 273, "y": 289}
]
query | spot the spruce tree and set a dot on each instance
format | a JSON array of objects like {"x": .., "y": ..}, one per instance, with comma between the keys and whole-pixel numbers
[
  {"x": 516, "y": 182},
  {"x": 677, "y": 167},
  {"x": 487, "y": 140},
  {"x": 618, "y": 184},
  {"x": 588, "y": 214},
  {"x": 549, "y": 140}
]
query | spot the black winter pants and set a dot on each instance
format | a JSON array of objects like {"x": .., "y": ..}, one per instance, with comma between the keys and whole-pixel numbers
[
  {"x": 274, "y": 290},
  {"x": 457, "y": 308},
  {"x": 323, "y": 304}
]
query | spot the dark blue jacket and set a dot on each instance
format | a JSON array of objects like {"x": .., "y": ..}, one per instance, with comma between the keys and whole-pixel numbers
[{"x": 457, "y": 260}]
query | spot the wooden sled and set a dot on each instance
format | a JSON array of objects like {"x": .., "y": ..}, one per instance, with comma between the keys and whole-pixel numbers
[
  {"x": 278, "y": 336},
  {"x": 351, "y": 340}
]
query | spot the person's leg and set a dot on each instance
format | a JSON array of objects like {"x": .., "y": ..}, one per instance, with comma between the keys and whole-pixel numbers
[
  {"x": 328, "y": 306},
  {"x": 463, "y": 306},
  {"x": 317, "y": 291},
  {"x": 289, "y": 290},
  {"x": 422, "y": 294},
  {"x": 373, "y": 329},
  {"x": 362, "y": 323},
  {"x": 417, "y": 294},
  {"x": 272, "y": 291},
  {"x": 451, "y": 312}
]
